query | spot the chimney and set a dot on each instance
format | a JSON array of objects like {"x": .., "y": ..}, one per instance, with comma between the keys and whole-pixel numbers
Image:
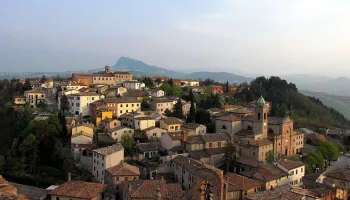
[
  {"x": 102, "y": 181},
  {"x": 129, "y": 188},
  {"x": 69, "y": 176}
]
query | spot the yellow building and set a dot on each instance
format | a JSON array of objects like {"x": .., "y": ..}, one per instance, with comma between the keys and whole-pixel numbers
[
  {"x": 34, "y": 97},
  {"x": 19, "y": 101},
  {"x": 84, "y": 128},
  {"x": 171, "y": 124},
  {"x": 102, "y": 115}
]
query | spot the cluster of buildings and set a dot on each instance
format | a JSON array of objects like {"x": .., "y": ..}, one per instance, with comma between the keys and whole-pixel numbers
[{"x": 172, "y": 159}]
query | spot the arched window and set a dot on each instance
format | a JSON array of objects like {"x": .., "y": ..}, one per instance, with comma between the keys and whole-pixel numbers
[
  {"x": 224, "y": 127},
  {"x": 258, "y": 116}
]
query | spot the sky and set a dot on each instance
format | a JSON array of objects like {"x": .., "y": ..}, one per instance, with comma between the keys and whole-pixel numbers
[{"x": 270, "y": 37}]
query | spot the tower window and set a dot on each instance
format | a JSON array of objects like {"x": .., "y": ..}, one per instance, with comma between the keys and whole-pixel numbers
[{"x": 258, "y": 116}]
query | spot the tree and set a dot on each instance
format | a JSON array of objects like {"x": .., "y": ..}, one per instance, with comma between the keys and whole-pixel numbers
[
  {"x": 26, "y": 85},
  {"x": 64, "y": 106},
  {"x": 329, "y": 150},
  {"x": 227, "y": 87},
  {"x": 168, "y": 113},
  {"x": 315, "y": 160},
  {"x": 42, "y": 105},
  {"x": 166, "y": 88},
  {"x": 2, "y": 163},
  {"x": 148, "y": 82},
  {"x": 192, "y": 114},
  {"x": 128, "y": 143},
  {"x": 229, "y": 158},
  {"x": 171, "y": 82},
  {"x": 145, "y": 105},
  {"x": 29, "y": 150},
  {"x": 178, "y": 112},
  {"x": 270, "y": 156},
  {"x": 202, "y": 117},
  {"x": 43, "y": 79}
]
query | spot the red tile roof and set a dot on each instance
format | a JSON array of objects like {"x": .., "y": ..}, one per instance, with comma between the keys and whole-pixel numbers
[
  {"x": 79, "y": 189},
  {"x": 124, "y": 169},
  {"x": 288, "y": 164},
  {"x": 238, "y": 182},
  {"x": 230, "y": 118}
]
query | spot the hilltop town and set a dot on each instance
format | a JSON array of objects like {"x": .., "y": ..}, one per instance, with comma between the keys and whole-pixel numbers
[{"x": 108, "y": 135}]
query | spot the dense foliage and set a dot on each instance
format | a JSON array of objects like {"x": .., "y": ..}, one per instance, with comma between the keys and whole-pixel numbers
[{"x": 286, "y": 100}]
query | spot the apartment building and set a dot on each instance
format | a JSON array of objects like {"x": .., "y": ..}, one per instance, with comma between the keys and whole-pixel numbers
[
  {"x": 296, "y": 171},
  {"x": 161, "y": 104},
  {"x": 106, "y": 157},
  {"x": 80, "y": 102},
  {"x": 34, "y": 97},
  {"x": 133, "y": 85},
  {"x": 118, "y": 106},
  {"x": 73, "y": 86}
]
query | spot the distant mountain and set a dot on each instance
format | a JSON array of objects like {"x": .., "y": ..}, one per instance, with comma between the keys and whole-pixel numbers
[
  {"x": 219, "y": 76},
  {"x": 340, "y": 103},
  {"x": 139, "y": 68}
]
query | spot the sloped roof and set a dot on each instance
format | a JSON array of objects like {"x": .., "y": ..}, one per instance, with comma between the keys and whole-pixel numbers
[
  {"x": 194, "y": 139},
  {"x": 175, "y": 135},
  {"x": 340, "y": 174},
  {"x": 124, "y": 169},
  {"x": 288, "y": 164},
  {"x": 278, "y": 120},
  {"x": 147, "y": 189},
  {"x": 171, "y": 120},
  {"x": 230, "y": 118},
  {"x": 278, "y": 193},
  {"x": 8, "y": 192},
  {"x": 191, "y": 125},
  {"x": 109, "y": 150},
  {"x": 238, "y": 182},
  {"x": 213, "y": 137},
  {"x": 78, "y": 189}
]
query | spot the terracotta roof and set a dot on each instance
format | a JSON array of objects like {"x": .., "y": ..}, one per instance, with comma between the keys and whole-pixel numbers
[
  {"x": 120, "y": 100},
  {"x": 163, "y": 100},
  {"x": 194, "y": 139},
  {"x": 265, "y": 173},
  {"x": 174, "y": 135},
  {"x": 277, "y": 193},
  {"x": 144, "y": 147},
  {"x": 340, "y": 174},
  {"x": 191, "y": 125},
  {"x": 176, "y": 149},
  {"x": 238, "y": 182},
  {"x": 147, "y": 189},
  {"x": 109, "y": 150},
  {"x": 215, "y": 151},
  {"x": 226, "y": 106},
  {"x": 118, "y": 128},
  {"x": 34, "y": 91},
  {"x": 144, "y": 118},
  {"x": 120, "y": 72},
  {"x": 171, "y": 120},
  {"x": 230, "y": 118},
  {"x": 199, "y": 154},
  {"x": 8, "y": 192},
  {"x": 103, "y": 75},
  {"x": 288, "y": 164},
  {"x": 152, "y": 128},
  {"x": 84, "y": 94},
  {"x": 124, "y": 169},
  {"x": 213, "y": 137},
  {"x": 277, "y": 120},
  {"x": 263, "y": 142},
  {"x": 79, "y": 189}
]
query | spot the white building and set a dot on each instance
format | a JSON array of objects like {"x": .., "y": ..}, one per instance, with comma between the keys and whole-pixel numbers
[
  {"x": 156, "y": 93},
  {"x": 141, "y": 123},
  {"x": 296, "y": 171},
  {"x": 73, "y": 86},
  {"x": 106, "y": 157},
  {"x": 80, "y": 102},
  {"x": 133, "y": 85},
  {"x": 65, "y": 92}
]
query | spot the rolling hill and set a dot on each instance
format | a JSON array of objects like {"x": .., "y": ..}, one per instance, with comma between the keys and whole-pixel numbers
[{"x": 220, "y": 76}]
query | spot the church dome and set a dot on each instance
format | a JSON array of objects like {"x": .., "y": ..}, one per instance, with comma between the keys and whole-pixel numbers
[{"x": 261, "y": 101}]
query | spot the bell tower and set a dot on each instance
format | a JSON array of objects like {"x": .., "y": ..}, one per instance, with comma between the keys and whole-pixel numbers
[{"x": 260, "y": 117}]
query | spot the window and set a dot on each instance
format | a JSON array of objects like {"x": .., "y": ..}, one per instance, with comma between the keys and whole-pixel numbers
[
  {"x": 224, "y": 127},
  {"x": 132, "y": 105},
  {"x": 127, "y": 105},
  {"x": 296, "y": 171},
  {"x": 219, "y": 144},
  {"x": 121, "y": 112},
  {"x": 137, "y": 105},
  {"x": 78, "y": 98},
  {"x": 121, "y": 105},
  {"x": 93, "y": 98},
  {"x": 210, "y": 145},
  {"x": 57, "y": 198},
  {"x": 127, "y": 111},
  {"x": 292, "y": 173},
  {"x": 154, "y": 134},
  {"x": 77, "y": 104},
  {"x": 258, "y": 116},
  {"x": 301, "y": 169}
]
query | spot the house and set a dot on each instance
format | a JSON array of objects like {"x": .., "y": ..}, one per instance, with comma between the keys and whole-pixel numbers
[
  {"x": 106, "y": 157},
  {"x": 161, "y": 104},
  {"x": 340, "y": 177},
  {"x": 217, "y": 89},
  {"x": 148, "y": 150},
  {"x": 296, "y": 171},
  {"x": 73, "y": 86},
  {"x": 153, "y": 133},
  {"x": 118, "y": 106},
  {"x": 156, "y": 93},
  {"x": 319, "y": 193},
  {"x": 79, "y": 142},
  {"x": 185, "y": 107},
  {"x": 171, "y": 139},
  {"x": 83, "y": 128},
  {"x": 133, "y": 85},
  {"x": 278, "y": 193},
  {"x": 119, "y": 132},
  {"x": 171, "y": 124},
  {"x": 79, "y": 102},
  {"x": 196, "y": 89},
  {"x": 128, "y": 119},
  {"x": 142, "y": 123},
  {"x": 150, "y": 189},
  {"x": 102, "y": 114},
  {"x": 35, "y": 97},
  {"x": 78, "y": 190},
  {"x": 230, "y": 123},
  {"x": 109, "y": 124},
  {"x": 82, "y": 78},
  {"x": 239, "y": 186},
  {"x": 19, "y": 101},
  {"x": 66, "y": 93},
  {"x": 269, "y": 175},
  {"x": 194, "y": 129},
  {"x": 123, "y": 172}
]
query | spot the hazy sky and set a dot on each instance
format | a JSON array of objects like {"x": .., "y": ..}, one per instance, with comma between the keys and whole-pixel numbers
[{"x": 249, "y": 36}]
